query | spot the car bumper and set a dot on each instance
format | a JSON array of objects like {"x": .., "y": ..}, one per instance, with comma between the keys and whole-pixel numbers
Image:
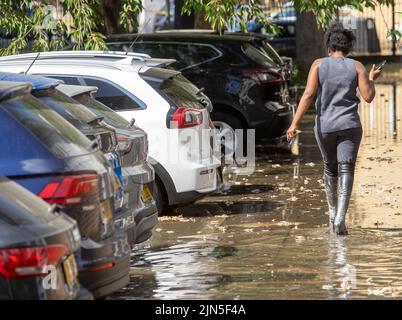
[
  {"x": 144, "y": 214},
  {"x": 199, "y": 177},
  {"x": 146, "y": 219},
  {"x": 124, "y": 220},
  {"x": 104, "y": 265},
  {"x": 279, "y": 119}
]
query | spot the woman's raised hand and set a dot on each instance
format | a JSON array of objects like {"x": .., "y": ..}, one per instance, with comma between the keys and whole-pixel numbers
[{"x": 374, "y": 73}]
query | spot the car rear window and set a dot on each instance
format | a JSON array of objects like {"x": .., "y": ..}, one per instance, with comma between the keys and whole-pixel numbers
[
  {"x": 69, "y": 108},
  {"x": 181, "y": 91},
  {"x": 110, "y": 117},
  {"x": 113, "y": 96},
  {"x": 257, "y": 56},
  {"x": 186, "y": 54},
  {"x": 57, "y": 134},
  {"x": 266, "y": 48}
]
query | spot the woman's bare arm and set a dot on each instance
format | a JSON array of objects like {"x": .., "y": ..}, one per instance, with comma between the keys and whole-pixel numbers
[
  {"x": 366, "y": 81},
  {"x": 307, "y": 99}
]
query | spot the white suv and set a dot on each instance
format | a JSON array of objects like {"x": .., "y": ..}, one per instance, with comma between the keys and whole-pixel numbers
[{"x": 162, "y": 102}]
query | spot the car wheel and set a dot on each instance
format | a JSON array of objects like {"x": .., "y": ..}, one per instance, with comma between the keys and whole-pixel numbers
[
  {"x": 226, "y": 124},
  {"x": 159, "y": 195}
]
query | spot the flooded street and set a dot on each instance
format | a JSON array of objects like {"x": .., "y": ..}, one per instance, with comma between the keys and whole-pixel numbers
[{"x": 268, "y": 237}]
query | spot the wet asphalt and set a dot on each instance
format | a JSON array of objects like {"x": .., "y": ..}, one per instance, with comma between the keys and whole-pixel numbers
[{"x": 268, "y": 236}]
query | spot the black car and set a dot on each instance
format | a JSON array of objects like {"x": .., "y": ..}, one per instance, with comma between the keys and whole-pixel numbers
[
  {"x": 48, "y": 156},
  {"x": 36, "y": 240},
  {"x": 243, "y": 76}
]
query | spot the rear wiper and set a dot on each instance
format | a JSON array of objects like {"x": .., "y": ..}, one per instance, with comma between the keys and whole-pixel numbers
[
  {"x": 96, "y": 119},
  {"x": 55, "y": 208},
  {"x": 132, "y": 122},
  {"x": 201, "y": 90},
  {"x": 94, "y": 145}
]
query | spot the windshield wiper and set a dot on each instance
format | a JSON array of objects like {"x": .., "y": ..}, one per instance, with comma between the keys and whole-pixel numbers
[{"x": 94, "y": 145}]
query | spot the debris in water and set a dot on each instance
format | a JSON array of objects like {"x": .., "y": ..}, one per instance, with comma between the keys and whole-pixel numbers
[
  {"x": 176, "y": 218},
  {"x": 377, "y": 224},
  {"x": 386, "y": 291},
  {"x": 327, "y": 287},
  {"x": 265, "y": 224}
]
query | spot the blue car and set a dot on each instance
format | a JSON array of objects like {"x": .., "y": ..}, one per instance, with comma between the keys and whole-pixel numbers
[
  {"x": 89, "y": 124},
  {"x": 51, "y": 158}
]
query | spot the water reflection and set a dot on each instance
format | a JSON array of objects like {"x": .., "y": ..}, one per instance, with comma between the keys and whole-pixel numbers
[{"x": 341, "y": 276}]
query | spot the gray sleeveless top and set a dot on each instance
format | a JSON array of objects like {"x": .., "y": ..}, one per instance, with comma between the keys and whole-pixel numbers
[{"x": 337, "y": 101}]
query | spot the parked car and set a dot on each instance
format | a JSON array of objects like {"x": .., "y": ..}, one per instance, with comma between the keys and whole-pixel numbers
[
  {"x": 138, "y": 174},
  {"x": 35, "y": 239},
  {"x": 48, "y": 156},
  {"x": 93, "y": 126},
  {"x": 246, "y": 85},
  {"x": 154, "y": 97}
]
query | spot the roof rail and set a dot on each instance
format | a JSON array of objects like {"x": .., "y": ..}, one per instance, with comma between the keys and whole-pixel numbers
[
  {"x": 186, "y": 30},
  {"x": 119, "y": 57},
  {"x": 77, "y": 54}
]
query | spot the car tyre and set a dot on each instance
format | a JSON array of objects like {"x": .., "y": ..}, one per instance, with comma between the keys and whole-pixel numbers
[
  {"x": 158, "y": 193},
  {"x": 225, "y": 123}
]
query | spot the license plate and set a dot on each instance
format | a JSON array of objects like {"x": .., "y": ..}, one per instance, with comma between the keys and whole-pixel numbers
[
  {"x": 107, "y": 212},
  {"x": 146, "y": 194},
  {"x": 70, "y": 269}
]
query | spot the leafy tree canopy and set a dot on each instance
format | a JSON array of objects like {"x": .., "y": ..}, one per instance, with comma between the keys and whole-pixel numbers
[{"x": 53, "y": 24}]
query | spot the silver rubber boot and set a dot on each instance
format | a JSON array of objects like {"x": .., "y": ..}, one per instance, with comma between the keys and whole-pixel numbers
[
  {"x": 331, "y": 189},
  {"x": 346, "y": 172}
]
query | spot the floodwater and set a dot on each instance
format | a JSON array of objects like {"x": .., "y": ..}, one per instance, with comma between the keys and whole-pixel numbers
[{"x": 268, "y": 236}]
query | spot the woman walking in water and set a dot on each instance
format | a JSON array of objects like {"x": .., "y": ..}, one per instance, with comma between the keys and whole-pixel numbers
[{"x": 334, "y": 80}]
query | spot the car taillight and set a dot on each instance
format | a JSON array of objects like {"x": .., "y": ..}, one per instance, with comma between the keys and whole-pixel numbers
[
  {"x": 124, "y": 144},
  {"x": 263, "y": 76},
  {"x": 186, "y": 117},
  {"x": 33, "y": 261},
  {"x": 71, "y": 189}
]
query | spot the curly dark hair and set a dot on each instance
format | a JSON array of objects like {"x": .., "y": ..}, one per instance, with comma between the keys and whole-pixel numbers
[{"x": 337, "y": 38}]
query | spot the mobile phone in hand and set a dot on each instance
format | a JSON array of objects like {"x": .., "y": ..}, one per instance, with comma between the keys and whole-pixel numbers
[{"x": 381, "y": 65}]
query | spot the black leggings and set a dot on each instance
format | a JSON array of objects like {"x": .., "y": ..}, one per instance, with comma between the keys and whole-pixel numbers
[{"x": 339, "y": 147}]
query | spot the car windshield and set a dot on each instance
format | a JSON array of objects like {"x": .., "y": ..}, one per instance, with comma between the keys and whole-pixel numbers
[
  {"x": 57, "y": 134},
  {"x": 258, "y": 56},
  {"x": 69, "y": 108},
  {"x": 182, "y": 92},
  {"x": 110, "y": 117}
]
